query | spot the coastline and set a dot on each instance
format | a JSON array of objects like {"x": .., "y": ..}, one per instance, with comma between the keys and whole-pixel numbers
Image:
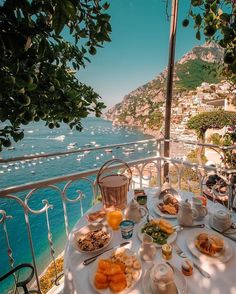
[
  {"x": 97, "y": 130},
  {"x": 154, "y": 133}
]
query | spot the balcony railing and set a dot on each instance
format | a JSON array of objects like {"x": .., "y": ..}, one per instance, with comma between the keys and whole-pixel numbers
[{"x": 146, "y": 172}]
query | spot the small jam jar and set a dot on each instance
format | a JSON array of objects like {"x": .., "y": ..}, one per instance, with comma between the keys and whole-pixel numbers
[{"x": 166, "y": 250}]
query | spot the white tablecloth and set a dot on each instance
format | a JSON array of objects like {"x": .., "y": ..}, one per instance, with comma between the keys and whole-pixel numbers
[{"x": 223, "y": 275}]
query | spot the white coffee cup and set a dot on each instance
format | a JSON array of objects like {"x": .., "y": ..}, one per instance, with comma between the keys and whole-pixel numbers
[
  {"x": 199, "y": 207},
  {"x": 221, "y": 220}
]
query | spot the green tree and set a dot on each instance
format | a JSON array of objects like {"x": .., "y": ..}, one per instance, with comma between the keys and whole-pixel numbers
[
  {"x": 216, "y": 21},
  {"x": 228, "y": 139},
  {"x": 210, "y": 120},
  {"x": 155, "y": 120},
  {"x": 38, "y": 63}
]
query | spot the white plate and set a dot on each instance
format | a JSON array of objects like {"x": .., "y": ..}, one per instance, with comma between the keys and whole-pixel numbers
[
  {"x": 89, "y": 228},
  {"x": 159, "y": 212},
  {"x": 179, "y": 280},
  {"x": 170, "y": 239},
  {"x": 107, "y": 255},
  {"x": 225, "y": 255}
]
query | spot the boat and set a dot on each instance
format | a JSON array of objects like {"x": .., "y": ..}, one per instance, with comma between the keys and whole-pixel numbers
[
  {"x": 72, "y": 145},
  {"x": 129, "y": 150},
  {"x": 108, "y": 150},
  {"x": 60, "y": 138}
]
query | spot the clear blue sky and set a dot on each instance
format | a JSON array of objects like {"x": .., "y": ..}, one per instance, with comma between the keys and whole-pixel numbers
[{"x": 139, "y": 47}]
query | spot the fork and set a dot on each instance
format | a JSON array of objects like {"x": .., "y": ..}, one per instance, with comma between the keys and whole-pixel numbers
[{"x": 181, "y": 253}]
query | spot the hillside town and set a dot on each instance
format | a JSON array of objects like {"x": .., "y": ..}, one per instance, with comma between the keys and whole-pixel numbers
[{"x": 206, "y": 97}]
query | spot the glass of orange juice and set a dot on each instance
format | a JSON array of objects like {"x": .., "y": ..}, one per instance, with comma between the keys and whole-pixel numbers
[{"x": 114, "y": 218}]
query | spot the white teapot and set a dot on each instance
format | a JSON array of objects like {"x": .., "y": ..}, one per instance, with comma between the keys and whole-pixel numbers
[
  {"x": 134, "y": 212},
  {"x": 186, "y": 214}
]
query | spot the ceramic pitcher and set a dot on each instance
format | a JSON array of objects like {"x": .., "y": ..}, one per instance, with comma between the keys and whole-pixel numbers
[
  {"x": 186, "y": 214},
  {"x": 134, "y": 212},
  {"x": 148, "y": 249},
  {"x": 201, "y": 209}
]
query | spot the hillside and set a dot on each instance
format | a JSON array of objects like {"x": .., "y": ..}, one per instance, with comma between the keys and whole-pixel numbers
[{"x": 143, "y": 107}]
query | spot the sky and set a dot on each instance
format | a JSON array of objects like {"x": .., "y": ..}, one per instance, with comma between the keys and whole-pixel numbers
[{"x": 139, "y": 48}]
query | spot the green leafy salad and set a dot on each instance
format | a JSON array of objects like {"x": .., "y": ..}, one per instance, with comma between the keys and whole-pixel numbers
[{"x": 155, "y": 232}]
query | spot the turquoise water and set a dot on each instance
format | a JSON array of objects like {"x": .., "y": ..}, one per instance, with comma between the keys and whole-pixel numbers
[{"x": 40, "y": 139}]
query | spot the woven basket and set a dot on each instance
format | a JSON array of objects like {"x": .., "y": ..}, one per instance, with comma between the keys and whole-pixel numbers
[{"x": 114, "y": 187}]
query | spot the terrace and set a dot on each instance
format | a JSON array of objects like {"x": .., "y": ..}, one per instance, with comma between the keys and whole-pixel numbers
[{"x": 32, "y": 201}]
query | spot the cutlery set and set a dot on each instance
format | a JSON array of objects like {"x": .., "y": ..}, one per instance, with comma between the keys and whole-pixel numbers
[
  {"x": 93, "y": 258},
  {"x": 182, "y": 254}
]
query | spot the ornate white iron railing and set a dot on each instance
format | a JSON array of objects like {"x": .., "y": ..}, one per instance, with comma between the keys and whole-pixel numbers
[{"x": 146, "y": 172}]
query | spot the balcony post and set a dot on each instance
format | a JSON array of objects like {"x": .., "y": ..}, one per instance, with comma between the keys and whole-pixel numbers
[{"x": 169, "y": 86}]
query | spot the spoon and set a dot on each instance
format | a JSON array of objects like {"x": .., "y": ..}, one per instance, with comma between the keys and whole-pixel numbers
[{"x": 178, "y": 228}]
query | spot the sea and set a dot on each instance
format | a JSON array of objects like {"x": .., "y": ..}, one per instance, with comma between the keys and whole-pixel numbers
[{"x": 39, "y": 140}]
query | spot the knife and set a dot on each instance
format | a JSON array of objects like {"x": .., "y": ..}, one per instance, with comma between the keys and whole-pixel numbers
[
  {"x": 222, "y": 233},
  {"x": 93, "y": 258}
]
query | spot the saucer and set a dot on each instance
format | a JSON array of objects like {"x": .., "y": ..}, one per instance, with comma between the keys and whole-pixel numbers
[{"x": 179, "y": 280}]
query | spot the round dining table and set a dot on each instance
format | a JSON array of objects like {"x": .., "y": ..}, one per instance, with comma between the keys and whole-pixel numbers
[{"x": 222, "y": 274}]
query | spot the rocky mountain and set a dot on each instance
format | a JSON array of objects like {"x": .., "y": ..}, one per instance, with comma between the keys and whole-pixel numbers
[{"x": 143, "y": 107}]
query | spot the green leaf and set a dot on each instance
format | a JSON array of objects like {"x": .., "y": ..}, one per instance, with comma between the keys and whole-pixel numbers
[
  {"x": 82, "y": 33},
  {"x": 31, "y": 87},
  {"x": 43, "y": 46},
  {"x": 198, "y": 20},
  {"x": 105, "y": 17},
  {"x": 198, "y": 35},
  {"x": 106, "y": 5},
  {"x": 64, "y": 10}
]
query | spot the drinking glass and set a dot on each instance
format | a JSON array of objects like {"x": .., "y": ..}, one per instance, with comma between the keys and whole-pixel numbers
[{"x": 114, "y": 218}]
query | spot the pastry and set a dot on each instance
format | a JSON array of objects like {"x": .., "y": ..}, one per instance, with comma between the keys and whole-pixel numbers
[
  {"x": 209, "y": 244},
  {"x": 116, "y": 273},
  {"x": 170, "y": 205},
  {"x": 165, "y": 226},
  {"x": 187, "y": 267},
  {"x": 97, "y": 215}
]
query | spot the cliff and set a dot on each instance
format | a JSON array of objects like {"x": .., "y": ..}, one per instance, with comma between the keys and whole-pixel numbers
[{"x": 144, "y": 107}]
